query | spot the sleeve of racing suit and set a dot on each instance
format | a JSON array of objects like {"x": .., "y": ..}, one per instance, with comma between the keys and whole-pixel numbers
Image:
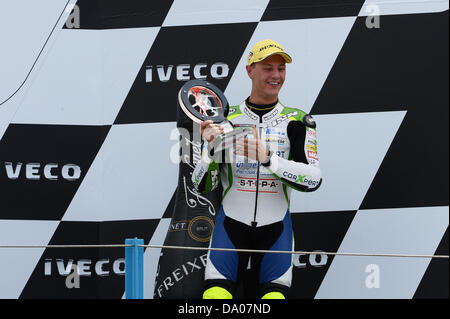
[
  {"x": 206, "y": 174},
  {"x": 301, "y": 171}
]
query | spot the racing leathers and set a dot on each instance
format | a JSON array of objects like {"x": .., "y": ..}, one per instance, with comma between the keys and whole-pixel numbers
[{"x": 254, "y": 212}]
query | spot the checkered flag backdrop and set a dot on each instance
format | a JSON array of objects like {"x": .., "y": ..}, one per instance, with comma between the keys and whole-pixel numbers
[{"x": 87, "y": 125}]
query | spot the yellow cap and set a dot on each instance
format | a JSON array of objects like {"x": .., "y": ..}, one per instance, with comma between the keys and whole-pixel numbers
[{"x": 265, "y": 48}]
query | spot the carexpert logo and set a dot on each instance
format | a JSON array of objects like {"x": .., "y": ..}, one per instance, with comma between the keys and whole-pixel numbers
[
  {"x": 299, "y": 179},
  {"x": 38, "y": 171},
  {"x": 186, "y": 72}
]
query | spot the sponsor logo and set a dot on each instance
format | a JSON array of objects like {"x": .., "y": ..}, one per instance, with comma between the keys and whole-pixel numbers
[
  {"x": 36, "y": 171},
  {"x": 250, "y": 115},
  {"x": 278, "y": 141},
  {"x": 186, "y": 72},
  {"x": 312, "y": 133},
  {"x": 312, "y": 148},
  {"x": 270, "y": 46},
  {"x": 199, "y": 175},
  {"x": 193, "y": 198},
  {"x": 310, "y": 182},
  {"x": 180, "y": 272},
  {"x": 290, "y": 176},
  {"x": 265, "y": 185},
  {"x": 84, "y": 267},
  {"x": 243, "y": 165},
  {"x": 281, "y": 154},
  {"x": 276, "y": 137},
  {"x": 314, "y": 260},
  {"x": 271, "y": 115},
  {"x": 300, "y": 179},
  {"x": 196, "y": 151},
  {"x": 313, "y": 155},
  {"x": 178, "y": 225},
  {"x": 246, "y": 167},
  {"x": 200, "y": 228},
  {"x": 251, "y": 183},
  {"x": 283, "y": 118},
  {"x": 275, "y": 131}
]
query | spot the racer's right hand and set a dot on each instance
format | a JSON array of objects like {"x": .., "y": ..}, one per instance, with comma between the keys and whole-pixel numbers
[{"x": 210, "y": 130}]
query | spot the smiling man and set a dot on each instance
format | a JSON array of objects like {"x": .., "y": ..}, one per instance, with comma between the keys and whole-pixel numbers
[
  {"x": 257, "y": 177},
  {"x": 267, "y": 76}
]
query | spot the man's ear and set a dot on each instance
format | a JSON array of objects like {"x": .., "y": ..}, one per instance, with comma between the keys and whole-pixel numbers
[{"x": 249, "y": 69}]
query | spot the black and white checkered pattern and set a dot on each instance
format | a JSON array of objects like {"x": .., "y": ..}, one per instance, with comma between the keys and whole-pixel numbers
[{"x": 83, "y": 109}]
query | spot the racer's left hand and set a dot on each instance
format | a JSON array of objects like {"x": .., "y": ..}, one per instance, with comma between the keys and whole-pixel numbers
[{"x": 252, "y": 148}]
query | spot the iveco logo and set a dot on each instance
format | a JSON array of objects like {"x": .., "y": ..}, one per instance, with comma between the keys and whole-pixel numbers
[
  {"x": 314, "y": 260},
  {"x": 85, "y": 267},
  {"x": 36, "y": 171},
  {"x": 186, "y": 72}
]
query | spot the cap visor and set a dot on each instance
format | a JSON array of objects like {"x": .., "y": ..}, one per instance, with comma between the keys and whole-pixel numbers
[{"x": 287, "y": 58}]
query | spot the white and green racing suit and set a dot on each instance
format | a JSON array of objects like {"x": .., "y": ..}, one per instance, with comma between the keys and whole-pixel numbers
[{"x": 254, "y": 212}]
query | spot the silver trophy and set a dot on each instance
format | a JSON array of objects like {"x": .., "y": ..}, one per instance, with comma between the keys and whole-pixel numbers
[{"x": 201, "y": 101}]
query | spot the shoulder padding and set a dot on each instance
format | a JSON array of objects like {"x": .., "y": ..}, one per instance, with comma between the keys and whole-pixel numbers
[{"x": 309, "y": 121}]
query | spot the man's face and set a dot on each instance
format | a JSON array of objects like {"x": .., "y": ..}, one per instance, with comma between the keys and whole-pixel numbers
[{"x": 268, "y": 77}]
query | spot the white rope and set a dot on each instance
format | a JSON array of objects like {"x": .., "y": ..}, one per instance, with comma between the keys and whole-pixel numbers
[
  {"x": 232, "y": 250},
  {"x": 67, "y": 246},
  {"x": 297, "y": 252}
]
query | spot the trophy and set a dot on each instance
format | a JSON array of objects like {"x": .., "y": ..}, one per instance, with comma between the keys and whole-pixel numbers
[{"x": 201, "y": 101}]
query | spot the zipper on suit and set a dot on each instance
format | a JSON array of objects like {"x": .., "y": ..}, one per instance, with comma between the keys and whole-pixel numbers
[{"x": 254, "y": 222}]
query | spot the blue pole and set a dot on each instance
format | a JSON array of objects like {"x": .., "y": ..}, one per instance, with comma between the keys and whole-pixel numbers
[{"x": 134, "y": 269}]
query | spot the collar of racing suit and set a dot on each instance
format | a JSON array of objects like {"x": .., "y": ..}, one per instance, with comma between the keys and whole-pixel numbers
[{"x": 260, "y": 109}]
